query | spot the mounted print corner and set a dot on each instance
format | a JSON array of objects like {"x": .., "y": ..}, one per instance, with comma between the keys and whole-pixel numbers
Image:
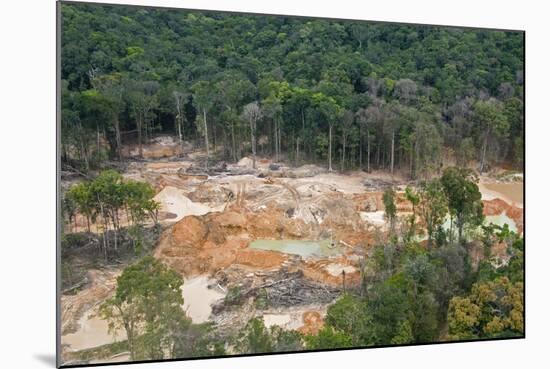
[{"x": 239, "y": 184}]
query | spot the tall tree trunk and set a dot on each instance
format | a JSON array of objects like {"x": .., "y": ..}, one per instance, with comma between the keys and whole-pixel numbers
[
  {"x": 343, "y": 153},
  {"x": 214, "y": 136},
  {"x": 139, "y": 127},
  {"x": 330, "y": 147},
  {"x": 416, "y": 158},
  {"x": 360, "y": 148},
  {"x": 279, "y": 137},
  {"x": 411, "y": 163},
  {"x": 146, "y": 128},
  {"x": 484, "y": 150},
  {"x": 233, "y": 144},
  {"x": 378, "y": 147},
  {"x": 297, "y": 150},
  {"x": 303, "y": 130},
  {"x": 180, "y": 130},
  {"x": 225, "y": 139},
  {"x": 206, "y": 139},
  {"x": 97, "y": 141},
  {"x": 276, "y": 132},
  {"x": 451, "y": 229},
  {"x": 253, "y": 141},
  {"x": 118, "y": 139},
  {"x": 392, "y": 150},
  {"x": 368, "y": 151},
  {"x": 105, "y": 226},
  {"x": 115, "y": 227}
]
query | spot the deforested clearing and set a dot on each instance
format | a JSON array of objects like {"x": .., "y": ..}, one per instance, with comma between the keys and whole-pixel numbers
[{"x": 240, "y": 184}]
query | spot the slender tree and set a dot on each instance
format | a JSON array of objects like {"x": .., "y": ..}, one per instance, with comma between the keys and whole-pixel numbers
[
  {"x": 432, "y": 206},
  {"x": 202, "y": 91},
  {"x": 489, "y": 115},
  {"x": 252, "y": 112},
  {"x": 180, "y": 98}
]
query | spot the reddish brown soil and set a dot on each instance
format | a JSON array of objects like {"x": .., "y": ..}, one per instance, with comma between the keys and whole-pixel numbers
[
  {"x": 498, "y": 206},
  {"x": 313, "y": 323}
]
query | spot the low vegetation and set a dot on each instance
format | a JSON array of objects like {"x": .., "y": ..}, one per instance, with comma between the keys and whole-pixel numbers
[{"x": 107, "y": 200}]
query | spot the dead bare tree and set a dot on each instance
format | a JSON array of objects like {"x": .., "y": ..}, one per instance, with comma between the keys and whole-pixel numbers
[
  {"x": 346, "y": 124},
  {"x": 179, "y": 99},
  {"x": 252, "y": 112}
]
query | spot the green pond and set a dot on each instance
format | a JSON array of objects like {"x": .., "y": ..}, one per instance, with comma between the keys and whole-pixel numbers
[
  {"x": 303, "y": 248},
  {"x": 499, "y": 220}
]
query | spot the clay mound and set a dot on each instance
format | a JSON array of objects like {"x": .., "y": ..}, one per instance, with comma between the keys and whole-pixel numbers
[
  {"x": 499, "y": 206},
  {"x": 313, "y": 323},
  {"x": 369, "y": 202},
  {"x": 208, "y": 243},
  {"x": 230, "y": 219},
  {"x": 173, "y": 200},
  {"x": 308, "y": 170},
  {"x": 259, "y": 258},
  {"x": 323, "y": 271},
  {"x": 211, "y": 193},
  {"x": 160, "y": 147},
  {"x": 245, "y": 162},
  {"x": 340, "y": 210},
  {"x": 494, "y": 207},
  {"x": 213, "y": 241},
  {"x": 189, "y": 232}
]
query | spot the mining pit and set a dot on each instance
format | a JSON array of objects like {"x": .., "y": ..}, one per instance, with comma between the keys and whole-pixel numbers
[{"x": 290, "y": 238}]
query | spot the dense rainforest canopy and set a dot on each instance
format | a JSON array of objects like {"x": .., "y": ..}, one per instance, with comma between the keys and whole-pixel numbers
[{"x": 357, "y": 94}]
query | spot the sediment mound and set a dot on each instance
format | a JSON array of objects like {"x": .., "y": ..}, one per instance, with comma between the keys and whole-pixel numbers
[
  {"x": 499, "y": 206},
  {"x": 245, "y": 162},
  {"x": 211, "y": 242},
  {"x": 206, "y": 244},
  {"x": 173, "y": 200},
  {"x": 159, "y": 147}
]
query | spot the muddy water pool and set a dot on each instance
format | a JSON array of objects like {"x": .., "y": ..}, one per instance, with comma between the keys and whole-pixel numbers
[
  {"x": 93, "y": 331},
  {"x": 511, "y": 192}
]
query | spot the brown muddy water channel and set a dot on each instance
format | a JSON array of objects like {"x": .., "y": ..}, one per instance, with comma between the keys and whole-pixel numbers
[
  {"x": 93, "y": 332},
  {"x": 509, "y": 191}
]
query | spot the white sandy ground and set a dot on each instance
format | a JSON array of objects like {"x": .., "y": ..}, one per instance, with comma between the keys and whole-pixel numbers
[
  {"x": 337, "y": 269},
  {"x": 281, "y": 320},
  {"x": 373, "y": 217},
  {"x": 291, "y": 317},
  {"x": 198, "y": 298},
  {"x": 348, "y": 184},
  {"x": 173, "y": 200}
]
